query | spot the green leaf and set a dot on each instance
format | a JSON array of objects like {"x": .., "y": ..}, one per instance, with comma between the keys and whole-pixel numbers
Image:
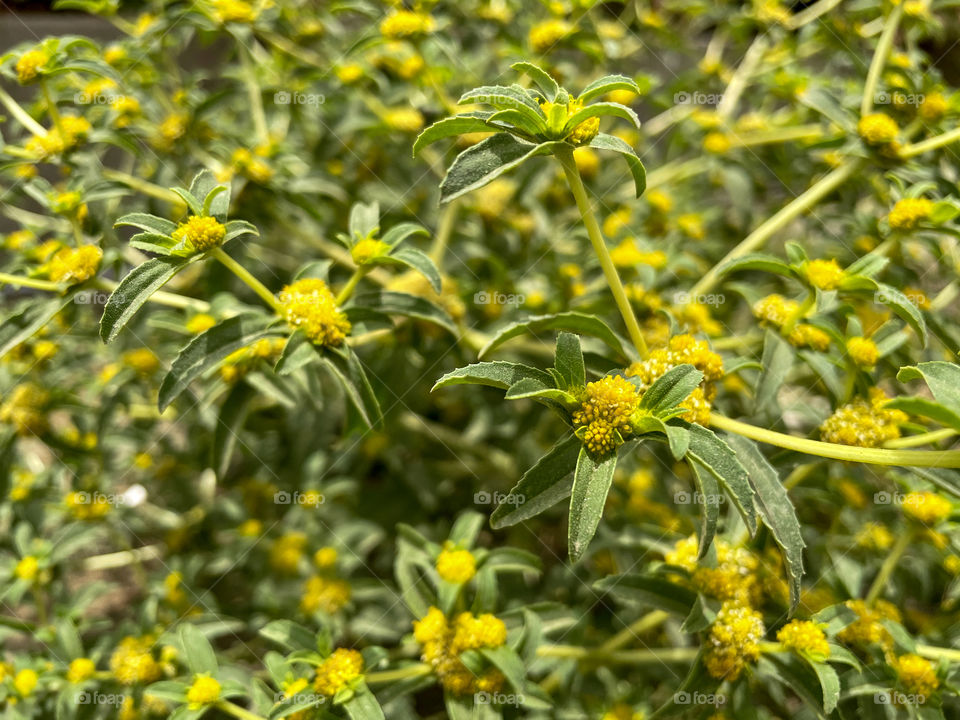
[
  {"x": 569, "y": 360},
  {"x": 364, "y": 220},
  {"x": 496, "y": 374},
  {"x": 419, "y": 261},
  {"x": 487, "y": 160},
  {"x": 659, "y": 592},
  {"x": 152, "y": 242},
  {"x": 203, "y": 185},
  {"x": 198, "y": 653},
  {"x": 719, "y": 459},
  {"x": 775, "y": 509},
  {"x": 574, "y": 322},
  {"x": 210, "y": 348},
  {"x": 608, "y": 84},
  {"x": 709, "y": 496},
  {"x": 404, "y": 304},
  {"x": 231, "y": 419},
  {"x": 610, "y": 142},
  {"x": 512, "y": 120},
  {"x": 148, "y": 223},
  {"x": 399, "y": 233},
  {"x": 601, "y": 109},
  {"x": 904, "y": 308},
  {"x": 363, "y": 705},
  {"x": 289, "y": 635},
  {"x": 926, "y": 408},
  {"x": 135, "y": 289},
  {"x": 509, "y": 663},
  {"x": 541, "y": 78},
  {"x": 541, "y": 487},
  {"x": 530, "y": 388},
  {"x": 756, "y": 261},
  {"x": 28, "y": 321},
  {"x": 297, "y": 353},
  {"x": 671, "y": 389},
  {"x": 591, "y": 483},
  {"x": 777, "y": 360},
  {"x": 451, "y": 127},
  {"x": 502, "y": 97},
  {"x": 943, "y": 379},
  {"x": 347, "y": 368}
]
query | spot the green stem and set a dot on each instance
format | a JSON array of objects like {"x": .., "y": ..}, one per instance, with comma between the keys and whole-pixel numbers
[
  {"x": 447, "y": 221},
  {"x": 565, "y": 156},
  {"x": 241, "y": 272},
  {"x": 21, "y": 115},
  {"x": 834, "y": 451},
  {"x": 236, "y": 711},
  {"x": 930, "y": 144},
  {"x": 17, "y": 624},
  {"x": 162, "y": 297},
  {"x": 632, "y": 657},
  {"x": 6, "y": 278},
  {"x": 927, "y": 438},
  {"x": 52, "y": 108},
  {"x": 811, "y": 13},
  {"x": 935, "y": 653},
  {"x": 411, "y": 671},
  {"x": 143, "y": 186},
  {"x": 880, "y": 58},
  {"x": 780, "y": 135},
  {"x": 799, "y": 205},
  {"x": 889, "y": 564},
  {"x": 351, "y": 285},
  {"x": 254, "y": 93},
  {"x": 647, "y": 622}
]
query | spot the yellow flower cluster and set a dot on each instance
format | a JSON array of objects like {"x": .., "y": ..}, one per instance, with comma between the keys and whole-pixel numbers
[
  {"x": 734, "y": 578},
  {"x": 80, "y": 669},
  {"x": 287, "y": 551},
  {"x": 30, "y": 64},
  {"x": 200, "y": 233},
  {"x": 237, "y": 11},
  {"x": 132, "y": 661},
  {"x": 863, "y": 422},
  {"x": 544, "y": 35},
  {"x": 74, "y": 266},
  {"x": 928, "y": 508},
  {"x": 734, "y": 641},
  {"x": 933, "y": 107},
  {"x": 878, "y": 129},
  {"x": 251, "y": 166},
  {"x": 867, "y": 628},
  {"x": 776, "y": 310},
  {"x": 24, "y": 409},
  {"x": 368, "y": 249},
  {"x": 681, "y": 350},
  {"x": 339, "y": 670},
  {"x": 863, "y": 351},
  {"x": 70, "y": 132},
  {"x": 205, "y": 690},
  {"x": 199, "y": 323},
  {"x": 627, "y": 255},
  {"x": 717, "y": 143},
  {"x": 605, "y": 411},
  {"x": 906, "y": 214},
  {"x": 443, "y": 642},
  {"x": 239, "y": 362},
  {"x": 917, "y": 675},
  {"x": 27, "y": 568},
  {"x": 824, "y": 274},
  {"x": 806, "y": 638},
  {"x": 325, "y": 594},
  {"x": 309, "y": 305},
  {"x": 25, "y": 681},
  {"x": 405, "y": 23},
  {"x": 455, "y": 565}
]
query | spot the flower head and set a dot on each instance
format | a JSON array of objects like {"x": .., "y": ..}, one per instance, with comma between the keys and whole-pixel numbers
[
  {"x": 806, "y": 638},
  {"x": 202, "y": 233},
  {"x": 27, "y": 568},
  {"x": 205, "y": 690},
  {"x": 933, "y": 107},
  {"x": 544, "y": 35},
  {"x": 368, "y": 249},
  {"x": 824, "y": 274},
  {"x": 456, "y": 566},
  {"x": 325, "y": 594},
  {"x": 25, "y": 681},
  {"x": 867, "y": 629},
  {"x": 605, "y": 412},
  {"x": 928, "y": 508},
  {"x": 24, "y": 409},
  {"x": 917, "y": 675},
  {"x": 80, "y": 669},
  {"x": 309, "y": 305},
  {"x": 338, "y": 671},
  {"x": 878, "y": 129},
  {"x": 443, "y": 641},
  {"x": 30, "y": 64},
  {"x": 405, "y": 23},
  {"x": 734, "y": 640},
  {"x": 909, "y": 212},
  {"x": 238, "y": 11},
  {"x": 863, "y": 351},
  {"x": 74, "y": 266},
  {"x": 132, "y": 662},
  {"x": 863, "y": 423}
]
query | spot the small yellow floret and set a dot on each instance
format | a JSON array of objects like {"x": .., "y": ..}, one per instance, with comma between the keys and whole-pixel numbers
[
  {"x": 863, "y": 351},
  {"x": 309, "y": 305},
  {"x": 824, "y": 274},
  {"x": 405, "y": 23},
  {"x": 806, "y": 638},
  {"x": 734, "y": 641},
  {"x": 909, "y": 212},
  {"x": 605, "y": 412},
  {"x": 338, "y": 671},
  {"x": 878, "y": 129},
  {"x": 81, "y": 669},
  {"x": 456, "y": 566},
  {"x": 928, "y": 508},
  {"x": 917, "y": 675},
  {"x": 205, "y": 690},
  {"x": 202, "y": 233},
  {"x": 30, "y": 64}
]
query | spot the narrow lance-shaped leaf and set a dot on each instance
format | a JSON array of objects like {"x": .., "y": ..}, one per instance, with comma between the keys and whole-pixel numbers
[
  {"x": 452, "y": 127},
  {"x": 134, "y": 290},
  {"x": 719, "y": 459},
  {"x": 540, "y": 77},
  {"x": 484, "y": 162},
  {"x": 569, "y": 360},
  {"x": 573, "y": 322},
  {"x": 498, "y": 374},
  {"x": 591, "y": 483},
  {"x": 607, "y": 84},
  {"x": 610, "y": 142},
  {"x": 541, "y": 487}
]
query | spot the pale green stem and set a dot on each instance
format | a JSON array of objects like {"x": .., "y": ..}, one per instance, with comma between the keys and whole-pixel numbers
[
  {"x": 799, "y": 474},
  {"x": 411, "y": 671},
  {"x": 17, "y": 624},
  {"x": 565, "y": 156},
  {"x": 834, "y": 451},
  {"x": 8, "y": 279},
  {"x": 769, "y": 137},
  {"x": 444, "y": 232},
  {"x": 21, "y": 115},
  {"x": 633, "y": 657},
  {"x": 238, "y": 712},
  {"x": 929, "y": 144},
  {"x": 254, "y": 92},
  {"x": 347, "y": 292},
  {"x": 800, "y": 204},
  {"x": 889, "y": 565},
  {"x": 935, "y": 653},
  {"x": 738, "y": 83},
  {"x": 162, "y": 297},
  {"x": 880, "y": 58},
  {"x": 52, "y": 108},
  {"x": 293, "y": 50},
  {"x": 143, "y": 186},
  {"x": 927, "y": 438},
  {"x": 241, "y": 272},
  {"x": 641, "y": 625},
  {"x": 811, "y": 13}
]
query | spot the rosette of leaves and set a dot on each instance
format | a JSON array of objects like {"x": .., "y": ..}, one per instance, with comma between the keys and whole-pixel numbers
[
  {"x": 569, "y": 469},
  {"x": 369, "y": 247},
  {"x": 528, "y": 123},
  {"x": 206, "y": 198}
]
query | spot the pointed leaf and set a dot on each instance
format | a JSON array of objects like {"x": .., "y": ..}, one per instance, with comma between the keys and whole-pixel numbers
[
  {"x": 484, "y": 162},
  {"x": 497, "y": 374},
  {"x": 610, "y": 142},
  {"x": 451, "y": 127},
  {"x": 607, "y": 84},
  {"x": 542, "y": 486},
  {"x": 574, "y": 322},
  {"x": 591, "y": 483},
  {"x": 134, "y": 290}
]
